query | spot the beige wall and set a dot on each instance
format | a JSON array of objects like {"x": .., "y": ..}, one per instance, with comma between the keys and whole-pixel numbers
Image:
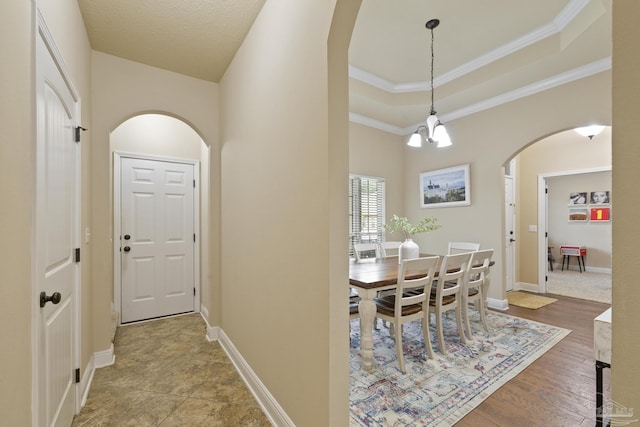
[
  {"x": 626, "y": 227},
  {"x": 377, "y": 153},
  {"x": 559, "y": 153},
  {"x": 487, "y": 140},
  {"x": 284, "y": 180},
  {"x": 158, "y": 135},
  {"x": 17, "y": 114},
  {"x": 123, "y": 89}
]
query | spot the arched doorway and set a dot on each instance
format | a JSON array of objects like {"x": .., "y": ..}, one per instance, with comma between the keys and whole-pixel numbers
[{"x": 156, "y": 156}]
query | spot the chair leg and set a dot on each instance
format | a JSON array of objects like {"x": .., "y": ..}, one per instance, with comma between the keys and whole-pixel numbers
[
  {"x": 427, "y": 338},
  {"x": 443, "y": 349},
  {"x": 460, "y": 325},
  {"x": 483, "y": 314},
  {"x": 466, "y": 321},
  {"x": 399, "y": 351}
]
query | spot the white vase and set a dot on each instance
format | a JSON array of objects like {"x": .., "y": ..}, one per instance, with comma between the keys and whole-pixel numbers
[{"x": 408, "y": 250}]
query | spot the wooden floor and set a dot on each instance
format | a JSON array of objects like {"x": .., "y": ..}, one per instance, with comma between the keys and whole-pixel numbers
[{"x": 558, "y": 389}]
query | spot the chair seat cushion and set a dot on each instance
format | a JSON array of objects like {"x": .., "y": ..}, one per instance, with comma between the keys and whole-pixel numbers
[
  {"x": 445, "y": 300},
  {"x": 473, "y": 292},
  {"x": 387, "y": 305}
]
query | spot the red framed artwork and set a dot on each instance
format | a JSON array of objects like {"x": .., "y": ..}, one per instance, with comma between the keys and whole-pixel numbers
[{"x": 600, "y": 214}]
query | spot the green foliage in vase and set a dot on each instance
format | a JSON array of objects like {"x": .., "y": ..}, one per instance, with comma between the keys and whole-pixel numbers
[{"x": 401, "y": 225}]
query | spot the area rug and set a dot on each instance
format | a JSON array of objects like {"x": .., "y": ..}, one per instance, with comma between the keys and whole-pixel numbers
[
  {"x": 527, "y": 300},
  {"x": 440, "y": 391}
]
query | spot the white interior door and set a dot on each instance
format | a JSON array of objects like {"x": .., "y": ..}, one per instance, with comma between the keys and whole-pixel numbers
[
  {"x": 56, "y": 237},
  {"x": 510, "y": 233},
  {"x": 157, "y": 238}
]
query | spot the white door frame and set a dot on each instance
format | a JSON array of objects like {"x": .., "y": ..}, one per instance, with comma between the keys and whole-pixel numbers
[
  {"x": 117, "y": 273},
  {"x": 542, "y": 219},
  {"x": 43, "y": 31}
]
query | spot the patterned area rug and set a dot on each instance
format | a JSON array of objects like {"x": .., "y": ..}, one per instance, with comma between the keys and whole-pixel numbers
[{"x": 440, "y": 392}]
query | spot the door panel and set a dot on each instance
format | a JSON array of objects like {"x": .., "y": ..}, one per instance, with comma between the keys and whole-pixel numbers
[
  {"x": 509, "y": 222},
  {"x": 157, "y": 214},
  {"x": 56, "y": 230}
]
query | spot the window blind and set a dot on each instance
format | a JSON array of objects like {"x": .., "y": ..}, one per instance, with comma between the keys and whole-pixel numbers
[{"x": 366, "y": 210}]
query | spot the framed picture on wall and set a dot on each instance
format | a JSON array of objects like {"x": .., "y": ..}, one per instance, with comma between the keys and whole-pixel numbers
[
  {"x": 445, "y": 187},
  {"x": 578, "y": 215},
  {"x": 600, "y": 214},
  {"x": 578, "y": 198},
  {"x": 599, "y": 198}
]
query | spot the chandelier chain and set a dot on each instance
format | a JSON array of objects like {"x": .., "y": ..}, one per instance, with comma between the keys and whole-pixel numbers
[{"x": 433, "y": 111}]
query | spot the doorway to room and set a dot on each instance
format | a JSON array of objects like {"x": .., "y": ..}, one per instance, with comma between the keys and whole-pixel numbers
[{"x": 160, "y": 192}]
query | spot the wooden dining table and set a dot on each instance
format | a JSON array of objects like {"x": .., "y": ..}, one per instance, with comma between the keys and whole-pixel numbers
[{"x": 368, "y": 277}]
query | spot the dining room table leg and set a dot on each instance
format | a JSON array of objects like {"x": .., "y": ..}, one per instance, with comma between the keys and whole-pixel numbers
[{"x": 367, "y": 310}]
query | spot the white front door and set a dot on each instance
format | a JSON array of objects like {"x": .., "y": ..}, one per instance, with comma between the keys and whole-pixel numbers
[
  {"x": 157, "y": 238},
  {"x": 510, "y": 233},
  {"x": 56, "y": 238}
]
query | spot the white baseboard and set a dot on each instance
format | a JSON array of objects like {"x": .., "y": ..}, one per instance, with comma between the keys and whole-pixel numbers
[
  {"x": 86, "y": 380},
  {"x": 498, "y": 304},
  {"x": 104, "y": 358},
  {"x": 523, "y": 286},
  {"x": 213, "y": 332},
  {"x": 267, "y": 402}
]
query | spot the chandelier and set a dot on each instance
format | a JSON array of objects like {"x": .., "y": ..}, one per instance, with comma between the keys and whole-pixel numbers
[{"x": 433, "y": 131}]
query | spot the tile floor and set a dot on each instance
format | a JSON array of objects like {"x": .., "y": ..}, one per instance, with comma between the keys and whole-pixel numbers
[{"x": 167, "y": 374}]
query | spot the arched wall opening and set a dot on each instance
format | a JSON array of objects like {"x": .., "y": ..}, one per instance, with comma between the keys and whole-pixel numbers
[
  {"x": 559, "y": 162},
  {"x": 163, "y": 136}
]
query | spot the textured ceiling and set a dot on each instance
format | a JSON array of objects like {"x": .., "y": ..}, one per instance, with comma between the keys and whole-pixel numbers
[
  {"x": 197, "y": 38},
  {"x": 486, "y": 52}
]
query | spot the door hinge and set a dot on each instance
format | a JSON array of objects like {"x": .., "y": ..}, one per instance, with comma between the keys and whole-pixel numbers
[
  {"x": 546, "y": 278},
  {"x": 77, "y": 375},
  {"x": 77, "y": 135},
  {"x": 546, "y": 234},
  {"x": 194, "y": 237},
  {"x": 77, "y": 254},
  {"x": 194, "y": 183},
  {"x": 194, "y": 292}
]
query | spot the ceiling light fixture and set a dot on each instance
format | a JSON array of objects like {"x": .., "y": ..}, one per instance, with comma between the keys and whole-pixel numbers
[
  {"x": 589, "y": 131},
  {"x": 434, "y": 131}
]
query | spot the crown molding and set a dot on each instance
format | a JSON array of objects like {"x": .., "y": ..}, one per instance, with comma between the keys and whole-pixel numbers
[
  {"x": 558, "y": 23},
  {"x": 540, "y": 86}
]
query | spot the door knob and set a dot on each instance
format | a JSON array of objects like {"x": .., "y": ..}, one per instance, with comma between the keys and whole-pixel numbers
[
  {"x": 127, "y": 248},
  {"x": 512, "y": 240},
  {"x": 54, "y": 298}
]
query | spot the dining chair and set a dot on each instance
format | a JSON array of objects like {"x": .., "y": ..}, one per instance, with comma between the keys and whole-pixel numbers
[
  {"x": 389, "y": 249},
  {"x": 399, "y": 308},
  {"x": 446, "y": 294},
  {"x": 459, "y": 247},
  {"x": 475, "y": 292},
  {"x": 365, "y": 250}
]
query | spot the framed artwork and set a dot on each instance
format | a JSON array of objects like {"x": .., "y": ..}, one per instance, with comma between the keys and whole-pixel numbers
[
  {"x": 579, "y": 198},
  {"x": 600, "y": 214},
  {"x": 445, "y": 187},
  {"x": 599, "y": 198},
  {"x": 578, "y": 215}
]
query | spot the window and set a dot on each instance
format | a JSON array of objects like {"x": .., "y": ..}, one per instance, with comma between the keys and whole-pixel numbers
[{"x": 366, "y": 210}]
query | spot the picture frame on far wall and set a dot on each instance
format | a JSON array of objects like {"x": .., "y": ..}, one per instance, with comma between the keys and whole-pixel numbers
[
  {"x": 578, "y": 198},
  {"x": 578, "y": 215},
  {"x": 445, "y": 187},
  {"x": 599, "y": 198},
  {"x": 600, "y": 214}
]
